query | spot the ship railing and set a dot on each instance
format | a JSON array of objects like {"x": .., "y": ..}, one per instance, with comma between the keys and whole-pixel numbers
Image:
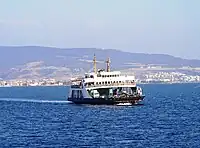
[{"x": 112, "y": 84}]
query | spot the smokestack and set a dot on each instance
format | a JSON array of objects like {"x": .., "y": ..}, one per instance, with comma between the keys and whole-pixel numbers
[
  {"x": 95, "y": 64},
  {"x": 108, "y": 65}
]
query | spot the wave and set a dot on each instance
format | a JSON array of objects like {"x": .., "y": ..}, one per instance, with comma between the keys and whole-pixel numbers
[
  {"x": 35, "y": 101},
  {"x": 197, "y": 86}
]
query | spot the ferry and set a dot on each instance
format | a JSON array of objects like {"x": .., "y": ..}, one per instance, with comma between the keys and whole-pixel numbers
[{"x": 105, "y": 87}]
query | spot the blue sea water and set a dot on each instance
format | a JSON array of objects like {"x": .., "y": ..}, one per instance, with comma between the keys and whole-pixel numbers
[{"x": 41, "y": 117}]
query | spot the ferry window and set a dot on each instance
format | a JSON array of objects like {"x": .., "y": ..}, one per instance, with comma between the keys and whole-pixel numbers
[
  {"x": 110, "y": 76},
  {"x": 91, "y": 76},
  {"x": 74, "y": 94},
  {"x": 100, "y": 83},
  {"x": 80, "y": 94},
  {"x": 114, "y": 82},
  {"x": 119, "y": 81},
  {"x": 77, "y": 94},
  {"x": 106, "y": 82}
]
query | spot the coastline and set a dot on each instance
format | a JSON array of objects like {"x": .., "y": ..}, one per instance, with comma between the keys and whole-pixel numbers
[{"x": 69, "y": 85}]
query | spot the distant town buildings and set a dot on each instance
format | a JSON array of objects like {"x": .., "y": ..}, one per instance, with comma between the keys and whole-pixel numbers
[
  {"x": 168, "y": 77},
  {"x": 43, "y": 82},
  {"x": 148, "y": 77}
]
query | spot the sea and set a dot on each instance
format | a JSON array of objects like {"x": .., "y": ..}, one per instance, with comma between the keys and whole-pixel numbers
[{"x": 42, "y": 117}]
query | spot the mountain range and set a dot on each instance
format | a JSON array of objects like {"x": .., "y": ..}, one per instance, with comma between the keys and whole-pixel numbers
[{"x": 46, "y": 62}]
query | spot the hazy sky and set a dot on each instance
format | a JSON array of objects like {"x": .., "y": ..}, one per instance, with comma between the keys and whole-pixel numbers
[{"x": 149, "y": 26}]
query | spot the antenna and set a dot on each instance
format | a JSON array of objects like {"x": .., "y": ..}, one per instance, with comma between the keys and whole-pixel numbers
[
  {"x": 95, "y": 64},
  {"x": 108, "y": 64}
]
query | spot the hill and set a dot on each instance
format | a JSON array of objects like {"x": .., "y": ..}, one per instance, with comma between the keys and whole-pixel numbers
[{"x": 37, "y": 62}]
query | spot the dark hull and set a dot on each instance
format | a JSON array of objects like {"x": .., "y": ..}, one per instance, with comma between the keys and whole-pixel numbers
[{"x": 111, "y": 101}]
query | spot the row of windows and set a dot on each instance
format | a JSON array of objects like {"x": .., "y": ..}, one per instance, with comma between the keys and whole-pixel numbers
[
  {"x": 107, "y": 76},
  {"x": 103, "y": 76},
  {"x": 108, "y": 82}
]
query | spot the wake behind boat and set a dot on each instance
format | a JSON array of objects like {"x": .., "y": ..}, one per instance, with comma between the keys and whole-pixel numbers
[{"x": 105, "y": 87}]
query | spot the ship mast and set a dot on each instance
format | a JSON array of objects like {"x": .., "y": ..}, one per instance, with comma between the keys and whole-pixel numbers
[
  {"x": 95, "y": 64},
  {"x": 108, "y": 65}
]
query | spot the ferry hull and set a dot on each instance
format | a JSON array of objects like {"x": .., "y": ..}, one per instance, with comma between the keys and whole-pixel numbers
[{"x": 100, "y": 101}]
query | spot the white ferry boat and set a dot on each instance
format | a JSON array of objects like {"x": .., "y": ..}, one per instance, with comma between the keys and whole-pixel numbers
[{"x": 105, "y": 87}]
